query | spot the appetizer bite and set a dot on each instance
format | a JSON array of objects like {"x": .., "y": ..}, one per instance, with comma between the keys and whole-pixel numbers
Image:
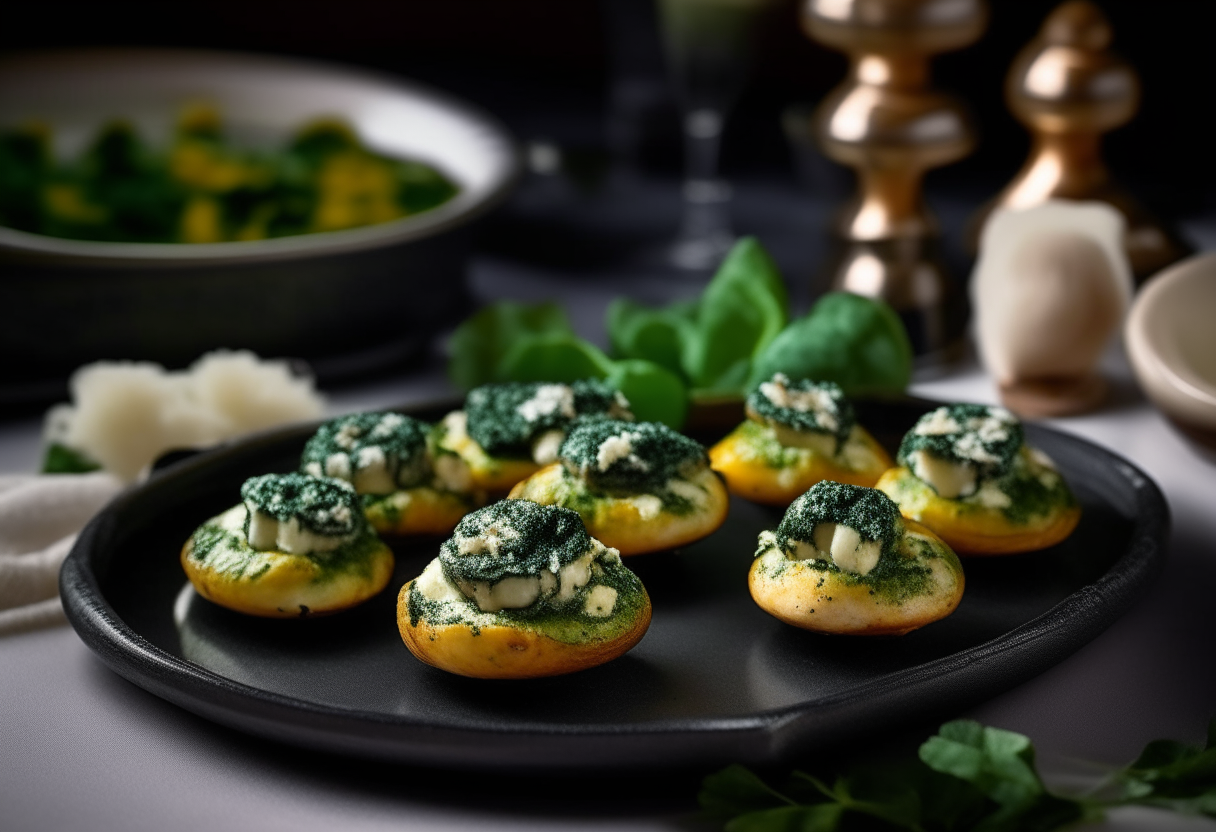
[
  {"x": 519, "y": 591},
  {"x": 797, "y": 433},
  {"x": 296, "y": 545},
  {"x": 639, "y": 486},
  {"x": 506, "y": 432},
  {"x": 966, "y": 472},
  {"x": 844, "y": 561},
  {"x": 384, "y": 456}
]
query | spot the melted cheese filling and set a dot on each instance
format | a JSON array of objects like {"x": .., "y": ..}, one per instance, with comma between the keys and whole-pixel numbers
[
  {"x": 842, "y": 545},
  {"x": 949, "y": 479},
  {"x": 266, "y": 533}
]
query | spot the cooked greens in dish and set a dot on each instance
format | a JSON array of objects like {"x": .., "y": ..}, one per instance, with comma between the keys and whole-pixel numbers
[
  {"x": 844, "y": 561},
  {"x": 966, "y": 472},
  {"x": 203, "y": 188},
  {"x": 797, "y": 433},
  {"x": 522, "y": 590}
]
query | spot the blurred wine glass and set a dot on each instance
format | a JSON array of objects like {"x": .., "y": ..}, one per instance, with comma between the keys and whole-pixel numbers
[{"x": 709, "y": 45}]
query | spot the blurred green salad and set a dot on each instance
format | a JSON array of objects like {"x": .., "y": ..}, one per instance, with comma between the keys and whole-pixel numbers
[
  {"x": 203, "y": 189},
  {"x": 736, "y": 335}
]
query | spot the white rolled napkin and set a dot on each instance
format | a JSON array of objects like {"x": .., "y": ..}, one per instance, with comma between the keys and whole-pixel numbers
[{"x": 40, "y": 516}]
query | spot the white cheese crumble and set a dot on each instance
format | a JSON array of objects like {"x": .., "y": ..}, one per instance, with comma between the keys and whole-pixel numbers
[
  {"x": 1042, "y": 460},
  {"x": 434, "y": 585},
  {"x": 546, "y": 446},
  {"x": 948, "y": 479},
  {"x": 519, "y": 591},
  {"x": 601, "y": 600},
  {"x": 690, "y": 491},
  {"x": 844, "y": 546},
  {"x": 991, "y": 496},
  {"x": 371, "y": 472},
  {"x": 814, "y": 401},
  {"x": 616, "y": 448},
  {"x": 648, "y": 506},
  {"x": 939, "y": 423},
  {"x": 547, "y": 399},
  {"x": 487, "y": 542},
  {"x": 452, "y": 473},
  {"x": 969, "y": 446},
  {"x": 266, "y": 533}
]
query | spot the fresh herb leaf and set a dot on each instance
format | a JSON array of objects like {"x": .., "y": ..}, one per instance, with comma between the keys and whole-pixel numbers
[
  {"x": 857, "y": 342},
  {"x": 655, "y": 393},
  {"x": 61, "y": 459},
  {"x": 554, "y": 356},
  {"x": 743, "y": 309},
  {"x": 480, "y": 344},
  {"x": 658, "y": 335},
  {"x": 967, "y": 778}
]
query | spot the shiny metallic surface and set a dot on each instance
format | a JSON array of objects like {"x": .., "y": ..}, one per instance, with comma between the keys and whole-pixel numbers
[
  {"x": 1068, "y": 88},
  {"x": 886, "y": 123}
]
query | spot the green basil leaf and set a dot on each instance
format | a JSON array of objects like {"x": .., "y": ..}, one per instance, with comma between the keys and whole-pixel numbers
[
  {"x": 822, "y": 817},
  {"x": 657, "y": 335},
  {"x": 554, "y": 356},
  {"x": 480, "y": 343},
  {"x": 655, "y": 393},
  {"x": 743, "y": 309},
  {"x": 857, "y": 342}
]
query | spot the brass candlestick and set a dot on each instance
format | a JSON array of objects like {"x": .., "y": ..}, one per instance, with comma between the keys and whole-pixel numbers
[
  {"x": 1068, "y": 88},
  {"x": 886, "y": 123}
]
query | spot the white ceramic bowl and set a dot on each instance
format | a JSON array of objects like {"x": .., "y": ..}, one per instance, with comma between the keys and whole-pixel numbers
[{"x": 1171, "y": 340}]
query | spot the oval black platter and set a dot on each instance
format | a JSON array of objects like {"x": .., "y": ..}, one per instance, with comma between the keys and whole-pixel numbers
[{"x": 715, "y": 680}]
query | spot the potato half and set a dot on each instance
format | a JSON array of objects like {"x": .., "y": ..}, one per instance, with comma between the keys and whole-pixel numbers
[
  {"x": 509, "y": 650},
  {"x": 758, "y": 467},
  {"x": 971, "y": 528},
  {"x": 805, "y": 595},
  {"x": 272, "y": 584}
]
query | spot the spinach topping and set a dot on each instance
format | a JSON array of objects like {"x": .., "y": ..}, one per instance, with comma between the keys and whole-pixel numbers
[
  {"x": 513, "y": 538},
  {"x": 874, "y": 515},
  {"x": 804, "y": 405},
  {"x": 343, "y": 447},
  {"x": 504, "y": 419},
  {"x": 987, "y": 438},
  {"x": 629, "y": 456},
  {"x": 322, "y": 505}
]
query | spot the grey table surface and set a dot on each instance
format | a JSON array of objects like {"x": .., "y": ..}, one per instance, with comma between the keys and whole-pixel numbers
[{"x": 81, "y": 748}]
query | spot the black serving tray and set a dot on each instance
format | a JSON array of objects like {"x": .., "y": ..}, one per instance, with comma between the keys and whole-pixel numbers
[{"x": 715, "y": 680}]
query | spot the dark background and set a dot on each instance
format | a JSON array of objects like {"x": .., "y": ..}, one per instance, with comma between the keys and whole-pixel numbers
[{"x": 544, "y": 67}]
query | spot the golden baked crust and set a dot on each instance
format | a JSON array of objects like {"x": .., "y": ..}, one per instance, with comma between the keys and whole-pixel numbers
[
  {"x": 637, "y": 524},
  {"x": 508, "y": 652},
  {"x": 275, "y": 584},
  {"x": 418, "y": 511},
  {"x": 758, "y": 467},
  {"x": 972, "y": 529},
  {"x": 835, "y": 602}
]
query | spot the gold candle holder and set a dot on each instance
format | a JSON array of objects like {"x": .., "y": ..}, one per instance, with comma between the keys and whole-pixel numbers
[
  {"x": 886, "y": 123},
  {"x": 1068, "y": 88}
]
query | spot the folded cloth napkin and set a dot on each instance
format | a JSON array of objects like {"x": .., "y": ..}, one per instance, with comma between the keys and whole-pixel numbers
[{"x": 40, "y": 516}]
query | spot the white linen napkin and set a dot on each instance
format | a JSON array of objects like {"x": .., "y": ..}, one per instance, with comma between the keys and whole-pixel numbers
[{"x": 40, "y": 516}]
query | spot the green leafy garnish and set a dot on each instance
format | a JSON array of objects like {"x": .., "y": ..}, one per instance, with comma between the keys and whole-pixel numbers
[
  {"x": 479, "y": 344},
  {"x": 515, "y": 342},
  {"x": 60, "y": 459},
  {"x": 968, "y": 778},
  {"x": 855, "y": 341},
  {"x": 711, "y": 343}
]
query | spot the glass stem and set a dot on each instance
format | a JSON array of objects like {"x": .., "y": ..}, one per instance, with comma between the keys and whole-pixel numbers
[{"x": 706, "y": 219}]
